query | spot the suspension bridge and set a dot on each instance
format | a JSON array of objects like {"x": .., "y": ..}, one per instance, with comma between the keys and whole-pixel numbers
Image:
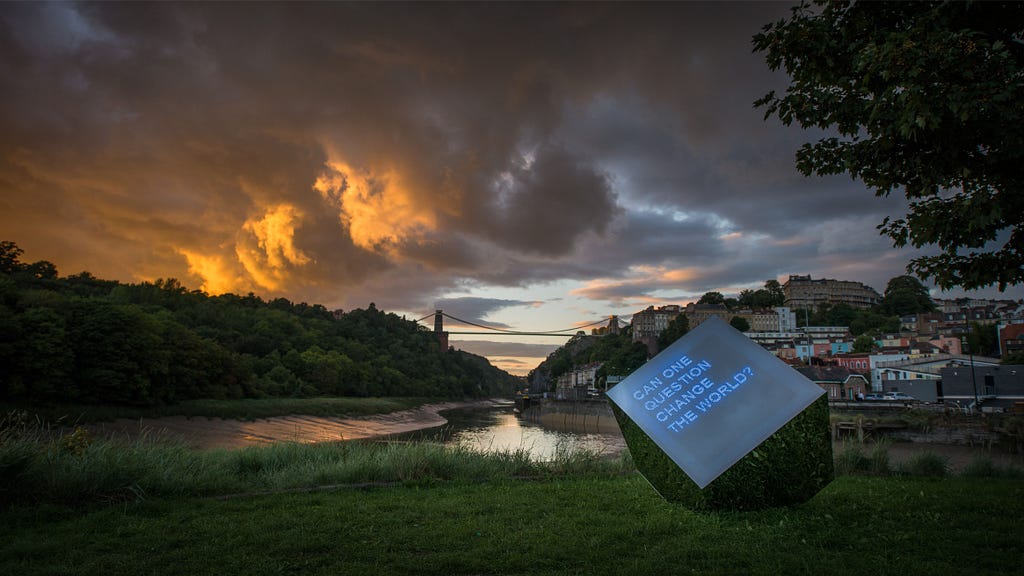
[{"x": 612, "y": 322}]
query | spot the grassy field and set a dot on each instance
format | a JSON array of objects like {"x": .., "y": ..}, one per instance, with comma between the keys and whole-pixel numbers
[
  {"x": 560, "y": 525},
  {"x": 75, "y": 505}
]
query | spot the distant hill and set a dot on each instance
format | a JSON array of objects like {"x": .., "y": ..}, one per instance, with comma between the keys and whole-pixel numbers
[{"x": 80, "y": 339}]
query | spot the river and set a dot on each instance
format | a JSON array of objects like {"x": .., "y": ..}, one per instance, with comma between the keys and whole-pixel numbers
[
  {"x": 497, "y": 429},
  {"x": 488, "y": 426}
]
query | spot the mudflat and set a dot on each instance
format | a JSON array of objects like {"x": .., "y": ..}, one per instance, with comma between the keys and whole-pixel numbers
[{"x": 205, "y": 433}]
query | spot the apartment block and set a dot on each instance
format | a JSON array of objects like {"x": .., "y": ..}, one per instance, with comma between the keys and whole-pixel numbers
[
  {"x": 805, "y": 292},
  {"x": 650, "y": 322}
]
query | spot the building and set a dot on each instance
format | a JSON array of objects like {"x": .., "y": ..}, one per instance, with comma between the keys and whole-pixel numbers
[
  {"x": 1011, "y": 339},
  {"x": 887, "y": 374},
  {"x": 578, "y": 383},
  {"x": 805, "y": 292},
  {"x": 838, "y": 382},
  {"x": 923, "y": 323},
  {"x": 696, "y": 314},
  {"x": 650, "y": 322},
  {"x": 853, "y": 362},
  {"x": 778, "y": 319},
  {"x": 997, "y": 388}
]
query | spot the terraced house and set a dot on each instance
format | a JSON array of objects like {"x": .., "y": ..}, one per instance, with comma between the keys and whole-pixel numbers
[{"x": 805, "y": 292}]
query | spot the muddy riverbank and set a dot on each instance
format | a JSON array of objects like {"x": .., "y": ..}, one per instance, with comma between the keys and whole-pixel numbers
[{"x": 206, "y": 433}]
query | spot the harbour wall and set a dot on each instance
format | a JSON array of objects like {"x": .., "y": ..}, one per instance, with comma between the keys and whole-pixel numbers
[{"x": 580, "y": 416}]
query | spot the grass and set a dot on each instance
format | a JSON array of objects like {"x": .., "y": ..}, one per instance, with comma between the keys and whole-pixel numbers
[
  {"x": 246, "y": 409},
  {"x": 575, "y": 525},
  {"x": 74, "y": 505},
  {"x": 39, "y": 467}
]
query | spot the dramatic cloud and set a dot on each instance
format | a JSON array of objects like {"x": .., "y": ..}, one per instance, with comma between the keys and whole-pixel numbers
[{"x": 491, "y": 158}]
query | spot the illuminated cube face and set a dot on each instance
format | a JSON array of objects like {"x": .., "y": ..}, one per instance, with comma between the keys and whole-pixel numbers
[{"x": 712, "y": 397}]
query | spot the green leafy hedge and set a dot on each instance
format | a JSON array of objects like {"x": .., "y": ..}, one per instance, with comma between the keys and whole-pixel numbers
[{"x": 788, "y": 468}]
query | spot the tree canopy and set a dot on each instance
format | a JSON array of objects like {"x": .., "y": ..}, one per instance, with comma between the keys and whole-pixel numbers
[
  {"x": 770, "y": 296},
  {"x": 676, "y": 329},
  {"x": 926, "y": 98},
  {"x": 78, "y": 339},
  {"x": 740, "y": 323},
  {"x": 906, "y": 295},
  {"x": 712, "y": 298}
]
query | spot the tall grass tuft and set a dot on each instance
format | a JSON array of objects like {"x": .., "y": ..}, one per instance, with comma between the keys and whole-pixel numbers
[
  {"x": 985, "y": 467},
  {"x": 927, "y": 464},
  {"x": 880, "y": 459},
  {"x": 851, "y": 460}
]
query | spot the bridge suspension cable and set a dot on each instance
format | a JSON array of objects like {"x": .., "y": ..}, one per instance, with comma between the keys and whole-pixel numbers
[{"x": 503, "y": 331}]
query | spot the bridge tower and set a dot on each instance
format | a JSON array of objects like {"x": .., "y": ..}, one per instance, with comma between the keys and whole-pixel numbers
[
  {"x": 442, "y": 336},
  {"x": 613, "y": 325}
]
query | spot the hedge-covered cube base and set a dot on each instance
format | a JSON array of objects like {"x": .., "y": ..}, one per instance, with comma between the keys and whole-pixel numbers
[{"x": 788, "y": 468}]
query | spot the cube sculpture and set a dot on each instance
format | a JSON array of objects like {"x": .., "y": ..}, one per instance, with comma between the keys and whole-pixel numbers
[{"x": 717, "y": 422}]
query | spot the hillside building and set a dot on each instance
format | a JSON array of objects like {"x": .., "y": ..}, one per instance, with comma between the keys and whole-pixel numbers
[
  {"x": 650, "y": 322},
  {"x": 805, "y": 292}
]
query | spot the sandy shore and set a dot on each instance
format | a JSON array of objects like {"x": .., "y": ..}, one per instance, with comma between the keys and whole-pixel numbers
[{"x": 220, "y": 433}]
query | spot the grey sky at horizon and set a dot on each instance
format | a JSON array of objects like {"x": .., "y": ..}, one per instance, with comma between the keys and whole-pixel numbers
[{"x": 529, "y": 166}]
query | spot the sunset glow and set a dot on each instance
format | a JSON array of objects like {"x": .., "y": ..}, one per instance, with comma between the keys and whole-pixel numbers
[
  {"x": 377, "y": 208},
  {"x": 518, "y": 169}
]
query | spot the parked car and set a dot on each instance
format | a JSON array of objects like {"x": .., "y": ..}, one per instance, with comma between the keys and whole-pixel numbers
[
  {"x": 898, "y": 397},
  {"x": 873, "y": 397}
]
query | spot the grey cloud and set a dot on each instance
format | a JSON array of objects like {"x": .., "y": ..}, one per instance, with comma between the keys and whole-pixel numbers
[
  {"x": 501, "y": 348},
  {"x": 545, "y": 141},
  {"x": 476, "y": 310}
]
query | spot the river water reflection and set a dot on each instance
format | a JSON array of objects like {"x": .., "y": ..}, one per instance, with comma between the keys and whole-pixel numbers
[{"x": 498, "y": 429}]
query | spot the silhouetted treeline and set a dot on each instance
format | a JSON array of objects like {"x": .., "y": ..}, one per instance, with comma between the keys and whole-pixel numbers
[{"x": 79, "y": 339}]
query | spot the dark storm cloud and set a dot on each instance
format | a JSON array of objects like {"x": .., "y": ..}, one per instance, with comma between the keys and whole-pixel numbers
[{"x": 347, "y": 153}]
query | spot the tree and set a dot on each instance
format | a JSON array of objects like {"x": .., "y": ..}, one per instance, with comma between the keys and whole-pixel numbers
[
  {"x": 863, "y": 344},
  {"x": 777, "y": 296},
  {"x": 10, "y": 256},
  {"x": 925, "y": 98},
  {"x": 675, "y": 330},
  {"x": 740, "y": 323},
  {"x": 906, "y": 295},
  {"x": 712, "y": 298},
  {"x": 768, "y": 297}
]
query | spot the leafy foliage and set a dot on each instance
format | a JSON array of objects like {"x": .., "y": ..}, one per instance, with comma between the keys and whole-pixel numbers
[
  {"x": 675, "y": 330},
  {"x": 82, "y": 340},
  {"x": 768, "y": 297},
  {"x": 712, "y": 298},
  {"x": 925, "y": 98},
  {"x": 863, "y": 344},
  {"x": 618, "y": 354},
  {"x": 740, "y": 323},
  {"x": 1017, "y": 358},
  {"x": 906, "y": 295}
]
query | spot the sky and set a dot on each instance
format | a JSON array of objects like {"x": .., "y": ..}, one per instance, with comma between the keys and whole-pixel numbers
[{"x": 528, "y": 166}]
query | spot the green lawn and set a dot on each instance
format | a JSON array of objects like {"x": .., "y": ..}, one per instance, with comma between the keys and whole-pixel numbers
[{"x": 570, "y": 525}]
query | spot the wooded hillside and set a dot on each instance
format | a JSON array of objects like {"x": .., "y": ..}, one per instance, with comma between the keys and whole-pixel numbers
[{"x": 80, "y": 339}]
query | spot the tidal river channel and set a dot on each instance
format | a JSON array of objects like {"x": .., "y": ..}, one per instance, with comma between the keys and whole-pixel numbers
[
  {"x": 488, "y": 426},
  {"x": 497, "y": 429}
]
